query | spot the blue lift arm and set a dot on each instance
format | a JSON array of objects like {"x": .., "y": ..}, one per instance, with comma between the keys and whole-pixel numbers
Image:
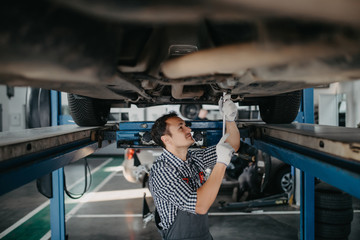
[{"x": 29, "y": 154}]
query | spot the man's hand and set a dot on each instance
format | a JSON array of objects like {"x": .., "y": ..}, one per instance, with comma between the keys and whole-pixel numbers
[
  {"x": 224, "y": 151},
  {"x": 228, "y": 107}
]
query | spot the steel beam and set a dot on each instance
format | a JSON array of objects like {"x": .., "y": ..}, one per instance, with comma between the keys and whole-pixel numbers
[{"x": 29, "y": 154}]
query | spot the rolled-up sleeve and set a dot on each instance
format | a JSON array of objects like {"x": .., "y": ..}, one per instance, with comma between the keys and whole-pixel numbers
[{"x": 207, "y": 156}]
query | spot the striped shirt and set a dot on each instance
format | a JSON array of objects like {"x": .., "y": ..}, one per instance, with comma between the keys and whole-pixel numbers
[{"x": 173, "y": 182}]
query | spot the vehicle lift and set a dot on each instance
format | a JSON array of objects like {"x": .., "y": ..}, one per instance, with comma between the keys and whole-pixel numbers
[{"x": 331, "y": 154}]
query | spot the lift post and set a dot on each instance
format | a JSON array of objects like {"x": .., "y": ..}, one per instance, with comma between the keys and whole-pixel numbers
[
  {"x": 307, "y": 181},
  {"x": 57, "y": 203}
]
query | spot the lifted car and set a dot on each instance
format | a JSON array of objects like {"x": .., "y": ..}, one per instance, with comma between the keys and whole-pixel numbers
[{"x": 108, "y": 53}]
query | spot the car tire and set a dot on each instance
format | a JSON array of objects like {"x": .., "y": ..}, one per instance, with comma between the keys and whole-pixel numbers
[
  {"x": 87, "y": 111},
  {"x": 280, "y": 108},
  {"x": 329, "y": 197},
  {"x": 190, "y": 111},
  {"x": 284, "y": 180},
  {"x": 330, "y": 216},
  {"x": 333, "y": 212},
  {"x": 329, "y": 231}
]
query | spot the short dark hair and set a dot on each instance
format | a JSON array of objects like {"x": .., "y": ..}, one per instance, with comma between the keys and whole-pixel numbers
[{"x": 159, "y": 128}]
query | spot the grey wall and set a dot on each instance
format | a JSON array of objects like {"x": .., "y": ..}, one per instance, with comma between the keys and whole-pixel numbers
[
  {"x": 350, "y": 89},
  {"x": 13, "y": 114}
]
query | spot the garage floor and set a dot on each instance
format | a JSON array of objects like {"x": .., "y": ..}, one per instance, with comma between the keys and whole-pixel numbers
[{"x": 113, "y": 210}]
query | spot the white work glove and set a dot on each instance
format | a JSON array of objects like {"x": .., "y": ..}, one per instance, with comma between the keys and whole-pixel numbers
[
  {"x": 224, "y": 151},
  {"x": 228, "y": 108}
]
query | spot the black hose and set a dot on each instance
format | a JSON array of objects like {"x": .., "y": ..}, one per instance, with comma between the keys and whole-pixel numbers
[{"x": 86, "y": 187}]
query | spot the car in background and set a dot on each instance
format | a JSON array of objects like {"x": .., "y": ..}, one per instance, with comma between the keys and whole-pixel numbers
[{"x": 108, "y": 53}]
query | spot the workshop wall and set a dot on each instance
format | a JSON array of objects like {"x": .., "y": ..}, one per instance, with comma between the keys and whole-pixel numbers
[
  {"x": 13, "y": 109},
  {"x": 345, "y": 94}
]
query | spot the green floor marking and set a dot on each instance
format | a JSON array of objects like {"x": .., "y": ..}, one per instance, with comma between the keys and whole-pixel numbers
[
  {"x": 37, "y": 226},
  {"x": 34, "y": 228}
]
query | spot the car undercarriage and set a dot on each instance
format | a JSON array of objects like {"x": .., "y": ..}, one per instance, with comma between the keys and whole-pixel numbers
[{"x": 116, "y": 53}]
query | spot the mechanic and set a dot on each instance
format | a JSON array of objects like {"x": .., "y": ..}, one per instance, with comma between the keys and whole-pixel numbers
[{"x": 181, "y": 192}]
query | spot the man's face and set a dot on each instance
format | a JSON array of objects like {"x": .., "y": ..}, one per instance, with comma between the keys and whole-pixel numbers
[{"x": 180, "y": 133}]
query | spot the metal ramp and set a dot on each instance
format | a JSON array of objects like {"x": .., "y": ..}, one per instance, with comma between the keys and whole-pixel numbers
[{"x": 31, "y": 153}]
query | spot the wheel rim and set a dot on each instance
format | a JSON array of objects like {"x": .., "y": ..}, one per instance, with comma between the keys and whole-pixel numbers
[
  {"x": 190, "y": 111},
  {"x": 287, "y": 182}
]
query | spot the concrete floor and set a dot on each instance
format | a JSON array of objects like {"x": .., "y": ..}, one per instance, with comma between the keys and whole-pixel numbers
[{"x": 113, "y": 210}]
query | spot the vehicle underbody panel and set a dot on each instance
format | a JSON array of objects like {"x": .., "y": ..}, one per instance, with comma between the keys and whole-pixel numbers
[{"x": 177, "y": 52}]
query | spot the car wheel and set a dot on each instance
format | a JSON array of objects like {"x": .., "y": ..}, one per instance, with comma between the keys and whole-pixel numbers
[
  {"x": 333, "y": 212},
  {"x": 281, "y": 108},
  {"x": 190, "y": 111},
  {"x": 284, "y": 180},
  {"x": 331, "y": 216},
  {"x": 87, "y": 111}
]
